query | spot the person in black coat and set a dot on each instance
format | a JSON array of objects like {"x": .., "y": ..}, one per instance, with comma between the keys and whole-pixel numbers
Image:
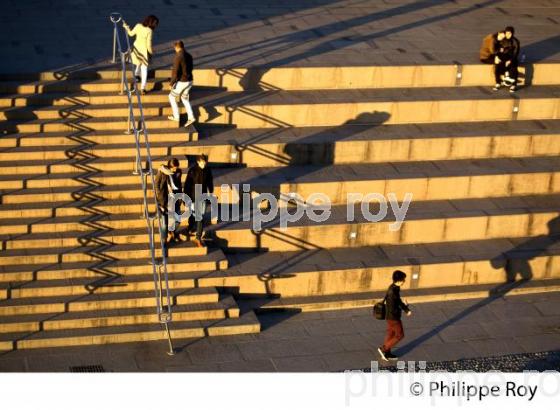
[
  {"x": 181, "y": 82},
  {"x": 512, "y": 47},
  {"x": 394, "y": 306},
  {"x": 199, "y": 181},
  {"x": 168, "y": 179}
]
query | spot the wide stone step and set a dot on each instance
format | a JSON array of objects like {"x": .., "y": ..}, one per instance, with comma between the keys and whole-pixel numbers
[
  {"x": 82, "y": 111},
  {"x": 90, "y": 190},
  {"x": 81, "y": 163},
  {"x": 295, "y": 146},
  {"x": 100, "y": 251},
  {"x": 302, "y": 146},
  {"x": 87, "y": 152},
  {"x": 102, "y": 301},
  {"x": 85, "y": 207},
  {"x": 76, "y": 224},
  {"x": 357, "y": 77},
  {"x": 349, "y": 144},
  {"x": 79, "y": 139},
  {"x": 81, "y": 124},
  {"x": 425, "y": 222},
  {"x": 289, "y": 78},
  {"x": 246, "y": 323},
  {"x": 344, "y": 270},
  {"x": 413, "y": 296},
  {"x": 97, "y": 234},
  {"x": 224, "y": 308},
  {"x": 273, "y": 109},
  {"x": 97, "y": 92},
  {"x": 86, "y": 179},
  {"x": 427, "y": 180},
  {"x": 96, "y": 270},
  {"x": 100, "y": 284},
  {"x": 396, "y": 106}
]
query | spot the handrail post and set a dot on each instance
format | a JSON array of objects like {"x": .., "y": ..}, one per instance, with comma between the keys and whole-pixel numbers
[
  {"x": 115, "y": 44},
  {"x": 123, "y": 79},
  {"x": 128, "y": 126}
]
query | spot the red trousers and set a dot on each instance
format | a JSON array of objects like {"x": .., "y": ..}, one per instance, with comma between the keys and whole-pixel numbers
[{"x": 394, "y": 335}]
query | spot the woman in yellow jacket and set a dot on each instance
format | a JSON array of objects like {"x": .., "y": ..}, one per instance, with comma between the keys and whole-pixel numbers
[{"x": 142, "y": 47}]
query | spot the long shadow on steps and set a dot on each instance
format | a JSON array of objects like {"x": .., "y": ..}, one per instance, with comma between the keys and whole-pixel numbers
[
  {"x": 82, "y": 155},
  {"x": 514, "y": 263},
  {"x": 74, "y": 299},
  {"x": 297, "y": 154},
  {"x": 536, "y": 52}
]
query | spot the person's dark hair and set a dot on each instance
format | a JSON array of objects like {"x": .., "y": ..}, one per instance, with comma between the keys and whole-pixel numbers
[
  {"x": 180, "y": 44},
  {"x": 202, "y": 157},
  {"x": 174, "y": 162},
  {"x": 398, "y": 276},
  {"x": 151, "y": 21},
  {"x": 510, "y": 29}
]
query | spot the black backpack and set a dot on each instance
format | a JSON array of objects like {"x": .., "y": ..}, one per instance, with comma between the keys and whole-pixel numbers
[{"x": 380, "y": 309}]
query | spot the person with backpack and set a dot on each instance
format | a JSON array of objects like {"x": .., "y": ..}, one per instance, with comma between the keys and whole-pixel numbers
[
  {"x": 141, "y": 54},
  {"x": 181, "y": 83},
  {"x": 394, "y": 306},
  {"x": 491, "y": 52}
]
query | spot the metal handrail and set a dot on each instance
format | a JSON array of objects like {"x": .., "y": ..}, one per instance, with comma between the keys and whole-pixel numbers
[{"x": 159, "y": 267}]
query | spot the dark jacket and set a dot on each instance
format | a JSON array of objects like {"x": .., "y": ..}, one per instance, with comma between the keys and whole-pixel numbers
[
  {"x": 197, "y": 175},
  {"x": 394, "y": 303},
  {"x": 511, "y": 48},
  {"x": 182, "y": 67},
  {"x": 162, "y": 191}
]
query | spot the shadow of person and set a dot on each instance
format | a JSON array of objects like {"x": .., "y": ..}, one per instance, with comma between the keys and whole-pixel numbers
[
  {"x": 541, "y": 50},
  {"x": 537, "y": 52},
  {"x": 319, "y": 148},
  {"x": 515, "y": 262}
]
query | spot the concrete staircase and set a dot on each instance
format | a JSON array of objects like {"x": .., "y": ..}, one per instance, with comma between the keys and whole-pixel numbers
[
  {"x": 483, "y": 168},
  {"x": 75, "y": 262}
]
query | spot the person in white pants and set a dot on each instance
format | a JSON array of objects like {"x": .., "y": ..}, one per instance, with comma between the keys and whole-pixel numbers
[
  {"x": 181, "y": 83},
  {"x": 142, "y": 48}
]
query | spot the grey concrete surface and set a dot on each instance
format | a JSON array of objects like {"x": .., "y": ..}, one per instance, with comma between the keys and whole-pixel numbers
[
  {"x": 41, "y": 35},
  {"x": 333, "y": 341}
]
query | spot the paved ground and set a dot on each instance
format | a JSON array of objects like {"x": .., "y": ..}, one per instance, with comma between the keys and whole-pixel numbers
[
  {"x": 50, "y": 34},
  {"x": 339, "y": 340},
  {"x": 541, "y": 361}
]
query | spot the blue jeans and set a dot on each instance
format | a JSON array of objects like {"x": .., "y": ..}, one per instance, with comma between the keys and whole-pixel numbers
[{"x": 198, "y": 216}]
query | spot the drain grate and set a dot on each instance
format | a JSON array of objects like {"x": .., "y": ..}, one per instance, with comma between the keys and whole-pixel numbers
[{"x": 96, "y": 368}]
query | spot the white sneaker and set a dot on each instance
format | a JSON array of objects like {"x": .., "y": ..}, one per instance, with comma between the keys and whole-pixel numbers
[
  {"x": 190, "y": 122},
  {"x": 172, "y": 118},
  {"x": 497, "y": 87}
]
